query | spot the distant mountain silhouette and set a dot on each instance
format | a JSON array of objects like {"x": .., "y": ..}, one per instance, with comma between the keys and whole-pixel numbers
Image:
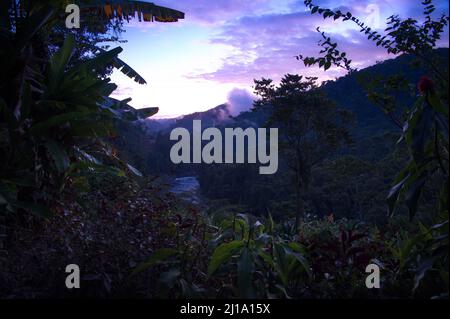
[
  {"x": 346, "y": 91},
  {"x": 349, "y": 94},
  {"x": 216, "y": 116},
  {"x": 150, "y": 139},
  {"x": 210, "y": 118}
]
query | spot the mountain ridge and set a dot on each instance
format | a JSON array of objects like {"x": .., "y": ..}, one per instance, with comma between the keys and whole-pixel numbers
[{"x": 346, "y": 91}]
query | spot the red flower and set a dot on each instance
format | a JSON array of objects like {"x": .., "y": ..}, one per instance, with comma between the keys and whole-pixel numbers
[{"x": 425, "y": 85}]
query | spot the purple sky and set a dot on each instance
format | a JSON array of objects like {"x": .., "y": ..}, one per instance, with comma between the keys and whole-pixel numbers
[{"x": 213, "y": 55}]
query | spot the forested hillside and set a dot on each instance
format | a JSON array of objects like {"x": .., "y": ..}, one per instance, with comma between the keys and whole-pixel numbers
[
  {"x": 350, "y": 182},
  {"x": 87, "y": 180}
]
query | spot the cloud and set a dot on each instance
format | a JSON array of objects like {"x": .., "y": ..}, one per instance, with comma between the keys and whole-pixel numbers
[
  {"x": 265, "y": 45},
  {"x": 239, "y": 100},
  {"x": 225, "y": 44}
]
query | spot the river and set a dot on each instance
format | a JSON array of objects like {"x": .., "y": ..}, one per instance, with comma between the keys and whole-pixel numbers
[{"x": 187, "y": 188}]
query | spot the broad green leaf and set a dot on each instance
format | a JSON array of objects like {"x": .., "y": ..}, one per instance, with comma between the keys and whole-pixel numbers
[
  {"x": 99, "y": 61},
  {"x": 56, "y": 120},
  {"x": 212, "y": 244},
  {"x": 421, "y": 132},
  {"x": 394, "y": 194},
  {"x": 244, "y": 273},
  {"x": 223, "y": 253},
  {"x": 426, "y": 265},
  {"x": 262, "y": 239},
  {"x": 440, "y": 225},
  {"x": 280, "y": 262},
  {"x": 405, "y": 249},
  {"x": 413, "y": 193},
  {"x": 88, "y": 157},
  {"x": 58, "y": 154},
  {"x": 266, "y": 257},
  {"x": 135, "y": 171},
  {"x": 126, "y": 69},
  {"x": 302, "y": 260},
  {"x": 146, "y": 112},
  {"x": 244, "y": 217},
  {"x": 146, "y": 11},
  {"x": 59, "y": 62},
  {"x": 271, "y": 224}
]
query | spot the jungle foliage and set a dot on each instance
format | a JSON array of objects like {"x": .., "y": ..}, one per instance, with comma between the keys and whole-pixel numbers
[{"x": 64, "y": 158}]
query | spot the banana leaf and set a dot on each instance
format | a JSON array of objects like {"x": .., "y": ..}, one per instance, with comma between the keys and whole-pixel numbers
[{"x": 123, "y": 9}]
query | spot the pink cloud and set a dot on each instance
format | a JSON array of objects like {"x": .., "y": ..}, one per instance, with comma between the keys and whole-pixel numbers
[{"x": 266, "y": 45}]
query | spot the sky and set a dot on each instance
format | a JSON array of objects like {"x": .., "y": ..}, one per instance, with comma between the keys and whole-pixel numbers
[{"x": 212, "y": 56}]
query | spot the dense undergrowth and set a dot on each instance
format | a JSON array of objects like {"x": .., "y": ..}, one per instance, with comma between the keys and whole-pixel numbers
[{"x": 137, "y": 240}]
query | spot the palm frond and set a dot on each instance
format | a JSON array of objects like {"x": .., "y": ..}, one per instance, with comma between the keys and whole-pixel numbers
[
  {"x": 127, "y": 9},
  {"x": 123, "y": 67}
]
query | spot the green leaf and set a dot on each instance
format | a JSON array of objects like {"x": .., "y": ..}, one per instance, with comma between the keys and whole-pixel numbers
[
  {"x": 134, "y": 170},
  {"x": 158, "y": 256},
  {"x": 421, "y": 132},
  {"x": 59, "y": 62},
  {"x": 426, "y": 265},
  {"x": 244, "y": 275},
  {"x": 59, "y": 155},
  {"x": 100, "y": 60},
  {"x": 271, "y": 224},
  {"x": 413, "y": 194},
  {"x": 123, "y": 111},
  {"x": 281, "y": 263},
  {"x": 87, "y": 157},
  {"x": 302, "y": 260},
  {"x": 245, "y": 218},
  {"x": 146, "y": 112},
  {"x": 124, "y": 68},
  {"x": 266, "y": 257},
  {"x": 223, "y": 253},
  {"x": 56, "y": 120},
  {"x": 394, "y": 193}
]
